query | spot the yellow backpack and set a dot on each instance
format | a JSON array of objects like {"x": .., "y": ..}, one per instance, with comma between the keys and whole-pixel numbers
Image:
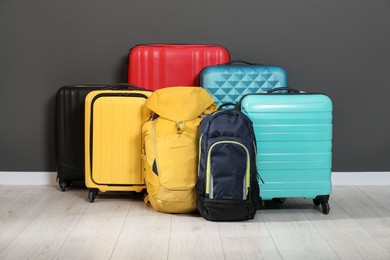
[{"x": 170, "y": 147}]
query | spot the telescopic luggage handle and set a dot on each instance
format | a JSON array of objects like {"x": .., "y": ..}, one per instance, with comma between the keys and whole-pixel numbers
[
  {"x": 289, "y": 90},
  {"x": 125, "y": 86},
  {"x": 242, "y": 61}
]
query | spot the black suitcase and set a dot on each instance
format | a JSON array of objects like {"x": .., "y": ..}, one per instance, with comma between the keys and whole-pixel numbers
[{"x": 69, "y": 132}]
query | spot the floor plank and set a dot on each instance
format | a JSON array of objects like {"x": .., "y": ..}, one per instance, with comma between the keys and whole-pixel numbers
[
  {"x": 86, "y": 248},
  {"x": 104, "y": 218},
  {"x": 370, "y": 212},
  {"x": 20, "y": 209},
  {"x": 8, "y": 193},
  {"x": 248, "y": 240},
  {"x": 44, "y": 235},
  {"x": 193, "y": 237},
  {"x": 344, "y": 235},
  {"x": 40, "y": 222},
  {"x": 99, "y": 227},
  {"x": 145, "y": 234},
  {"x": 380, "y": 194},
  {"x": 294, "y": 236}
]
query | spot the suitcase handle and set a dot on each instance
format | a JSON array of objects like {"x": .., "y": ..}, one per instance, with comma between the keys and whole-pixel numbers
[
  {"x": 125, "y": 86},
  {"x": 290, "y": 90},
  {"x": 242, "y": 61}
]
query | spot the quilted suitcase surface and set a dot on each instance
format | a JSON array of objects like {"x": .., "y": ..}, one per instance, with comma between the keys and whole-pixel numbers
[
  {"x": 227, "y": 83},
  {"x": 154, "y": 66},
  {"x": 294, "y": 141},
  {"x": 69, "y": 132},
  {"x": 113, "y": 122}
]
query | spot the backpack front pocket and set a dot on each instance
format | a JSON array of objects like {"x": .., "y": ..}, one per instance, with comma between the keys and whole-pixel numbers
[{"x": 228, "y": 170}]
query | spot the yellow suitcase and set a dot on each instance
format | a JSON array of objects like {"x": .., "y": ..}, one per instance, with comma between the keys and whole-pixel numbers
[{"x": 113, "y": 143}]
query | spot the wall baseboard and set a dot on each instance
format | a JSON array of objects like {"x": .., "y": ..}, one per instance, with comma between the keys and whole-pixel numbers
[
  {"x": 28, "y": 178},
  {"x": 361, "y": 178},
  {"x": 338, "y": 178}
]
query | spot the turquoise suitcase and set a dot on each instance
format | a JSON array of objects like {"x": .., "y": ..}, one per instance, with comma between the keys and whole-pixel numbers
[
  {"x": 228, "y": 82},
  {"x": 294, "y": 139}
]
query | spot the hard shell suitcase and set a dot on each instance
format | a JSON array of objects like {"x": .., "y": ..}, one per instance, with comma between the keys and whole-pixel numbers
[
  {"x": 228, "y": 82},
  {"x": 113, "y": 121},
  {"x": 154, "y": 66},
  {"x": 294, "y": 141},
  {"x": 69, "y": 132}
]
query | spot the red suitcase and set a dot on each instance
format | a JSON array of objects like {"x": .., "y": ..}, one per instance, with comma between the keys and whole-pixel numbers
[{"x": 154, "y": 66}]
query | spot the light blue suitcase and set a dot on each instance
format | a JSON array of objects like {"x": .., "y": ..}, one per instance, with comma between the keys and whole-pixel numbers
[
  {"x": 228, "y": 82},
  {"x": 294, "y": 141}
]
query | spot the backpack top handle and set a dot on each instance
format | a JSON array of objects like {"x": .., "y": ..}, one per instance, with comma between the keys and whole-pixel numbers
[{"x": 226, "y": 105}]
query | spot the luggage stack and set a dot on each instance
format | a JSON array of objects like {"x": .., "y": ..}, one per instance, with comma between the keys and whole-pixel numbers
[{"x": 135, "y": 137}]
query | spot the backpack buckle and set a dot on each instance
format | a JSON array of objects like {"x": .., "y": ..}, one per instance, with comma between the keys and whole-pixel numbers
[{"x": 180, "y": 126}]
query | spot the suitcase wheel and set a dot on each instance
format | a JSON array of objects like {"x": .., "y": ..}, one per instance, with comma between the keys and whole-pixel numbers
[
  {"x": 325, "y": 207},
  {"x": 279, "y": 200},
  {"x": 63, "y": 184},
  {"x": 322, "y": 200},
  {"x": 92, "y": 195},
  {"x": 316, "y": 202}
]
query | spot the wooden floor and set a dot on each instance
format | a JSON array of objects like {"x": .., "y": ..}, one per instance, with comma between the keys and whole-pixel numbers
[{"x": 41, "y": 222}]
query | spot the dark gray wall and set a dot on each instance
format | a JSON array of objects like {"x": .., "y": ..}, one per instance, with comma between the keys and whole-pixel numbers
[{"x": 337, "y": 47}]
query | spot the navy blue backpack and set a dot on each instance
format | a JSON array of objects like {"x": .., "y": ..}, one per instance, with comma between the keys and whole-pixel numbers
[{"x": 227, "y": 185}]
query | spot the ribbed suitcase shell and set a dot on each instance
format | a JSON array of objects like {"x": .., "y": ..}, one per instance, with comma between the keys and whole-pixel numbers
[
  {"x": 228, "y": 83},
  {"x": 294, "y": 142},
  {"x": 69, "y": 132},
  {"x": 154, "y": 66},
  {"x": 113, "y": 121}
]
